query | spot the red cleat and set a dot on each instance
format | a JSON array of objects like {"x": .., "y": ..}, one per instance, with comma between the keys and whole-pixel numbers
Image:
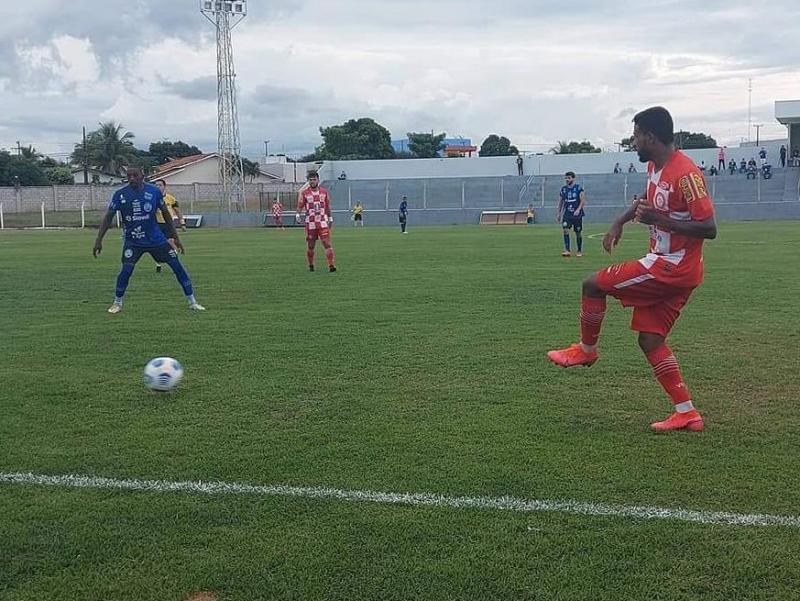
[
  {"x": 572, "y": 356},
  {"x": 691, "y": 420}
]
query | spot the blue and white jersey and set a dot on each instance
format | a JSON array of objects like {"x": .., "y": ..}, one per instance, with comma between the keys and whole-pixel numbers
[
  {"x": 404, "y": 207},
  {"x": 571, "y": 195},
  {"x": 138, "y": 212}
]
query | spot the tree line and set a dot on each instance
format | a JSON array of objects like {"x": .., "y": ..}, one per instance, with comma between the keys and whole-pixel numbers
[{"x": 110, "y": 149}]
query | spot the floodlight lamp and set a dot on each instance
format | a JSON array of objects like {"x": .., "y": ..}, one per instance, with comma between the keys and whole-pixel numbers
[{"x": 235, "y": 7}]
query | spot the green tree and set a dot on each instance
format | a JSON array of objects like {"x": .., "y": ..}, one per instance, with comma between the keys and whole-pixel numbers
[
  {"x": 688, "y": 140},
  {"x": 21, "y": 170},
  {"x": 425, "y": 146},
  {"x": 60, "y": 175},
  {"x": 164, "y": 151},
  {"x": 144, "y": 160},
  {"x": 355, "y": 139},
  {"x": 108, "y": 148},
  {"x": 626, "y": 144},
  {"x": 497, "y": 146},
  {"x": 250, "y": 169},
  {"x": 564, "y": 147}
]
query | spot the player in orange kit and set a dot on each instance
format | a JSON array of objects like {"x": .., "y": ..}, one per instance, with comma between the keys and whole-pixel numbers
[
  {"x": 314, "y": 202},
  {"x": 680, "y": 214}
]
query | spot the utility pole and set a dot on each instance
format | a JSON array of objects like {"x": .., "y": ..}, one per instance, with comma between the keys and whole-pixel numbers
[
  {"x": 19, "y": 149},
  {"x": 749, "y": 107},
  {"x": 266, "y": 148},
  {"x": 85, "y": 159},
  {"x": 758, "y": 127}
]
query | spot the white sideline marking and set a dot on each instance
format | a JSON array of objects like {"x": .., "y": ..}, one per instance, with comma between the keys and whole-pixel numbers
[{"x": 415, "y": 499}]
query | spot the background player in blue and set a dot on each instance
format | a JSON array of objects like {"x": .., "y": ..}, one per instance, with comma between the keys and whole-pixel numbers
[
  {"x": 137, "y": 204},
  {"x": 571, "y": 201},
  {"x": 403, "y": 215}
]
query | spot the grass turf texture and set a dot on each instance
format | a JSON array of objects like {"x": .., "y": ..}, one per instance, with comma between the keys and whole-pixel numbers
[{"x": 419, "y": 366}]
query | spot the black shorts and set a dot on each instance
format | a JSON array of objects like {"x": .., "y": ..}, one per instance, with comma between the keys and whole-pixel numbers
[
  {"x": 572, "y": 223},
  {"x": 403, "y": 217},
  {"x": 358, "y": 217},
  {"x": 161, "y": 254}
]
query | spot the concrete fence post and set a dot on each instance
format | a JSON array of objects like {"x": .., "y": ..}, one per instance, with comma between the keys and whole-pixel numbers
[{"x": 543, "y": 180}]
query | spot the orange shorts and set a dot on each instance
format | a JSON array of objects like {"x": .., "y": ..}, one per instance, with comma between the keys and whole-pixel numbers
[
  {"x": 656, "y": 305},
  {"x": 318, "y": 233}
]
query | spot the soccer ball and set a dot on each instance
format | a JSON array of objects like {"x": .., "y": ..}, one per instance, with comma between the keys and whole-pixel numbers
[{"x": 162, "y": 374}]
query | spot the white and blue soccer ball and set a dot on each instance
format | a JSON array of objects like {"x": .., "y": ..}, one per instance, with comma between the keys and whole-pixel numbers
[{"x": 162, "y": 374}]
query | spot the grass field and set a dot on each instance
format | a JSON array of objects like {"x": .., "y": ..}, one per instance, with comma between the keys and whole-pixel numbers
[{"x": 418, "y": 367}]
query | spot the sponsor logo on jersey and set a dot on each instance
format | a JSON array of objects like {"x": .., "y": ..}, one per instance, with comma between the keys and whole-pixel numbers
[
  {"x": 699, "y": 185},
  {"x": 686, "y": 189},
  {"x": 661, "y": 199}
]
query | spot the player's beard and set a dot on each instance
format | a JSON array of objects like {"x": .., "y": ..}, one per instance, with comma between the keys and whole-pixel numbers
[{"x": 644, "y": 156}]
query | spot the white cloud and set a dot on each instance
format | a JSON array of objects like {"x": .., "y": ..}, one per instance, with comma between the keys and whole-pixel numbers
[{"x": 534, "y": 71}]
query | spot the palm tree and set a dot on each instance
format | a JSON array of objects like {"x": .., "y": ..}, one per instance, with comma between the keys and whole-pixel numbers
[
  {"x": 561, "y": 148},
  {"x": 111, "y": 148},
  {"x": 250, "y": 169},
  {"x": 29, "y": 152}
]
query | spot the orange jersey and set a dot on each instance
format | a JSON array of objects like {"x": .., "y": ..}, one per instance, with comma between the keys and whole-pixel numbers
[
  {"x": 678, "y": 190},
  {"x": 316, "y": 205}
]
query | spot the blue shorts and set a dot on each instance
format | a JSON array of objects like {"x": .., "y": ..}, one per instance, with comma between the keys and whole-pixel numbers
[{"x": 161, "y": 254}]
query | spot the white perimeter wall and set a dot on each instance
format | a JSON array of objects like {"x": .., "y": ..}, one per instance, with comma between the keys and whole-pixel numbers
[{"x": 548, "y": 164}]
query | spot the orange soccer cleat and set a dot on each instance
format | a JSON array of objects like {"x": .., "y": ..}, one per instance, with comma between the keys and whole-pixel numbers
[
  {"x": 572, "y": 356},
  {"x": 691, "y": 420}
]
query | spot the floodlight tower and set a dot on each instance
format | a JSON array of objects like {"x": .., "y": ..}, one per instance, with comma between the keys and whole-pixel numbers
[{"x": 225, "y": 15}]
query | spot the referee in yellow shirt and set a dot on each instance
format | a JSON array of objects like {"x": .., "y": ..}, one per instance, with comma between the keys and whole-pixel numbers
[
  {"x": 358, "y": 214},
  {"x": 174, "y": 210}
]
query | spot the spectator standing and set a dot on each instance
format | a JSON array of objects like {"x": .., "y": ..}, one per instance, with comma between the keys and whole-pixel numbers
[
  {"x": 520, "y": 163},
  {"x": 783, "y": 156},
  {"x": 721, "y": 159},
  {"x": 762, "y": 155}
]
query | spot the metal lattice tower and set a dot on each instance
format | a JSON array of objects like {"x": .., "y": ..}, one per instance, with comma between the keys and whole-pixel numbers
[{"x": 225, "y": 15}]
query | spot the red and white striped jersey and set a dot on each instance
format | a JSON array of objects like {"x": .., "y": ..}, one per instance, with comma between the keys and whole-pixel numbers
[
  {"x": 680, "y": 191},
  {"x": 316, "y": 205}
]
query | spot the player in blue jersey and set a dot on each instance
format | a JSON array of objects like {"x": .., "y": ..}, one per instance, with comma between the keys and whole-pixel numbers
[
  {"x": 403, "y": 215},
  {"x": 138, "y": 204},
  {"x": 571, "y": 201}
]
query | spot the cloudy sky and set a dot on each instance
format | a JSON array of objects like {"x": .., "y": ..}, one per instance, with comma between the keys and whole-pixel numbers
[{"x": 534, "y": 71}]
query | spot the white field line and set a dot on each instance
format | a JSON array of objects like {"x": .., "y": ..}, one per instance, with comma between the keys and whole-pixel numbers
[{"x": 414, "y": 499}]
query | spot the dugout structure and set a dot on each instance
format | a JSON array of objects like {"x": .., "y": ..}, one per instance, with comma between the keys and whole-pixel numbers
[{"x": 505, "y": 218}]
